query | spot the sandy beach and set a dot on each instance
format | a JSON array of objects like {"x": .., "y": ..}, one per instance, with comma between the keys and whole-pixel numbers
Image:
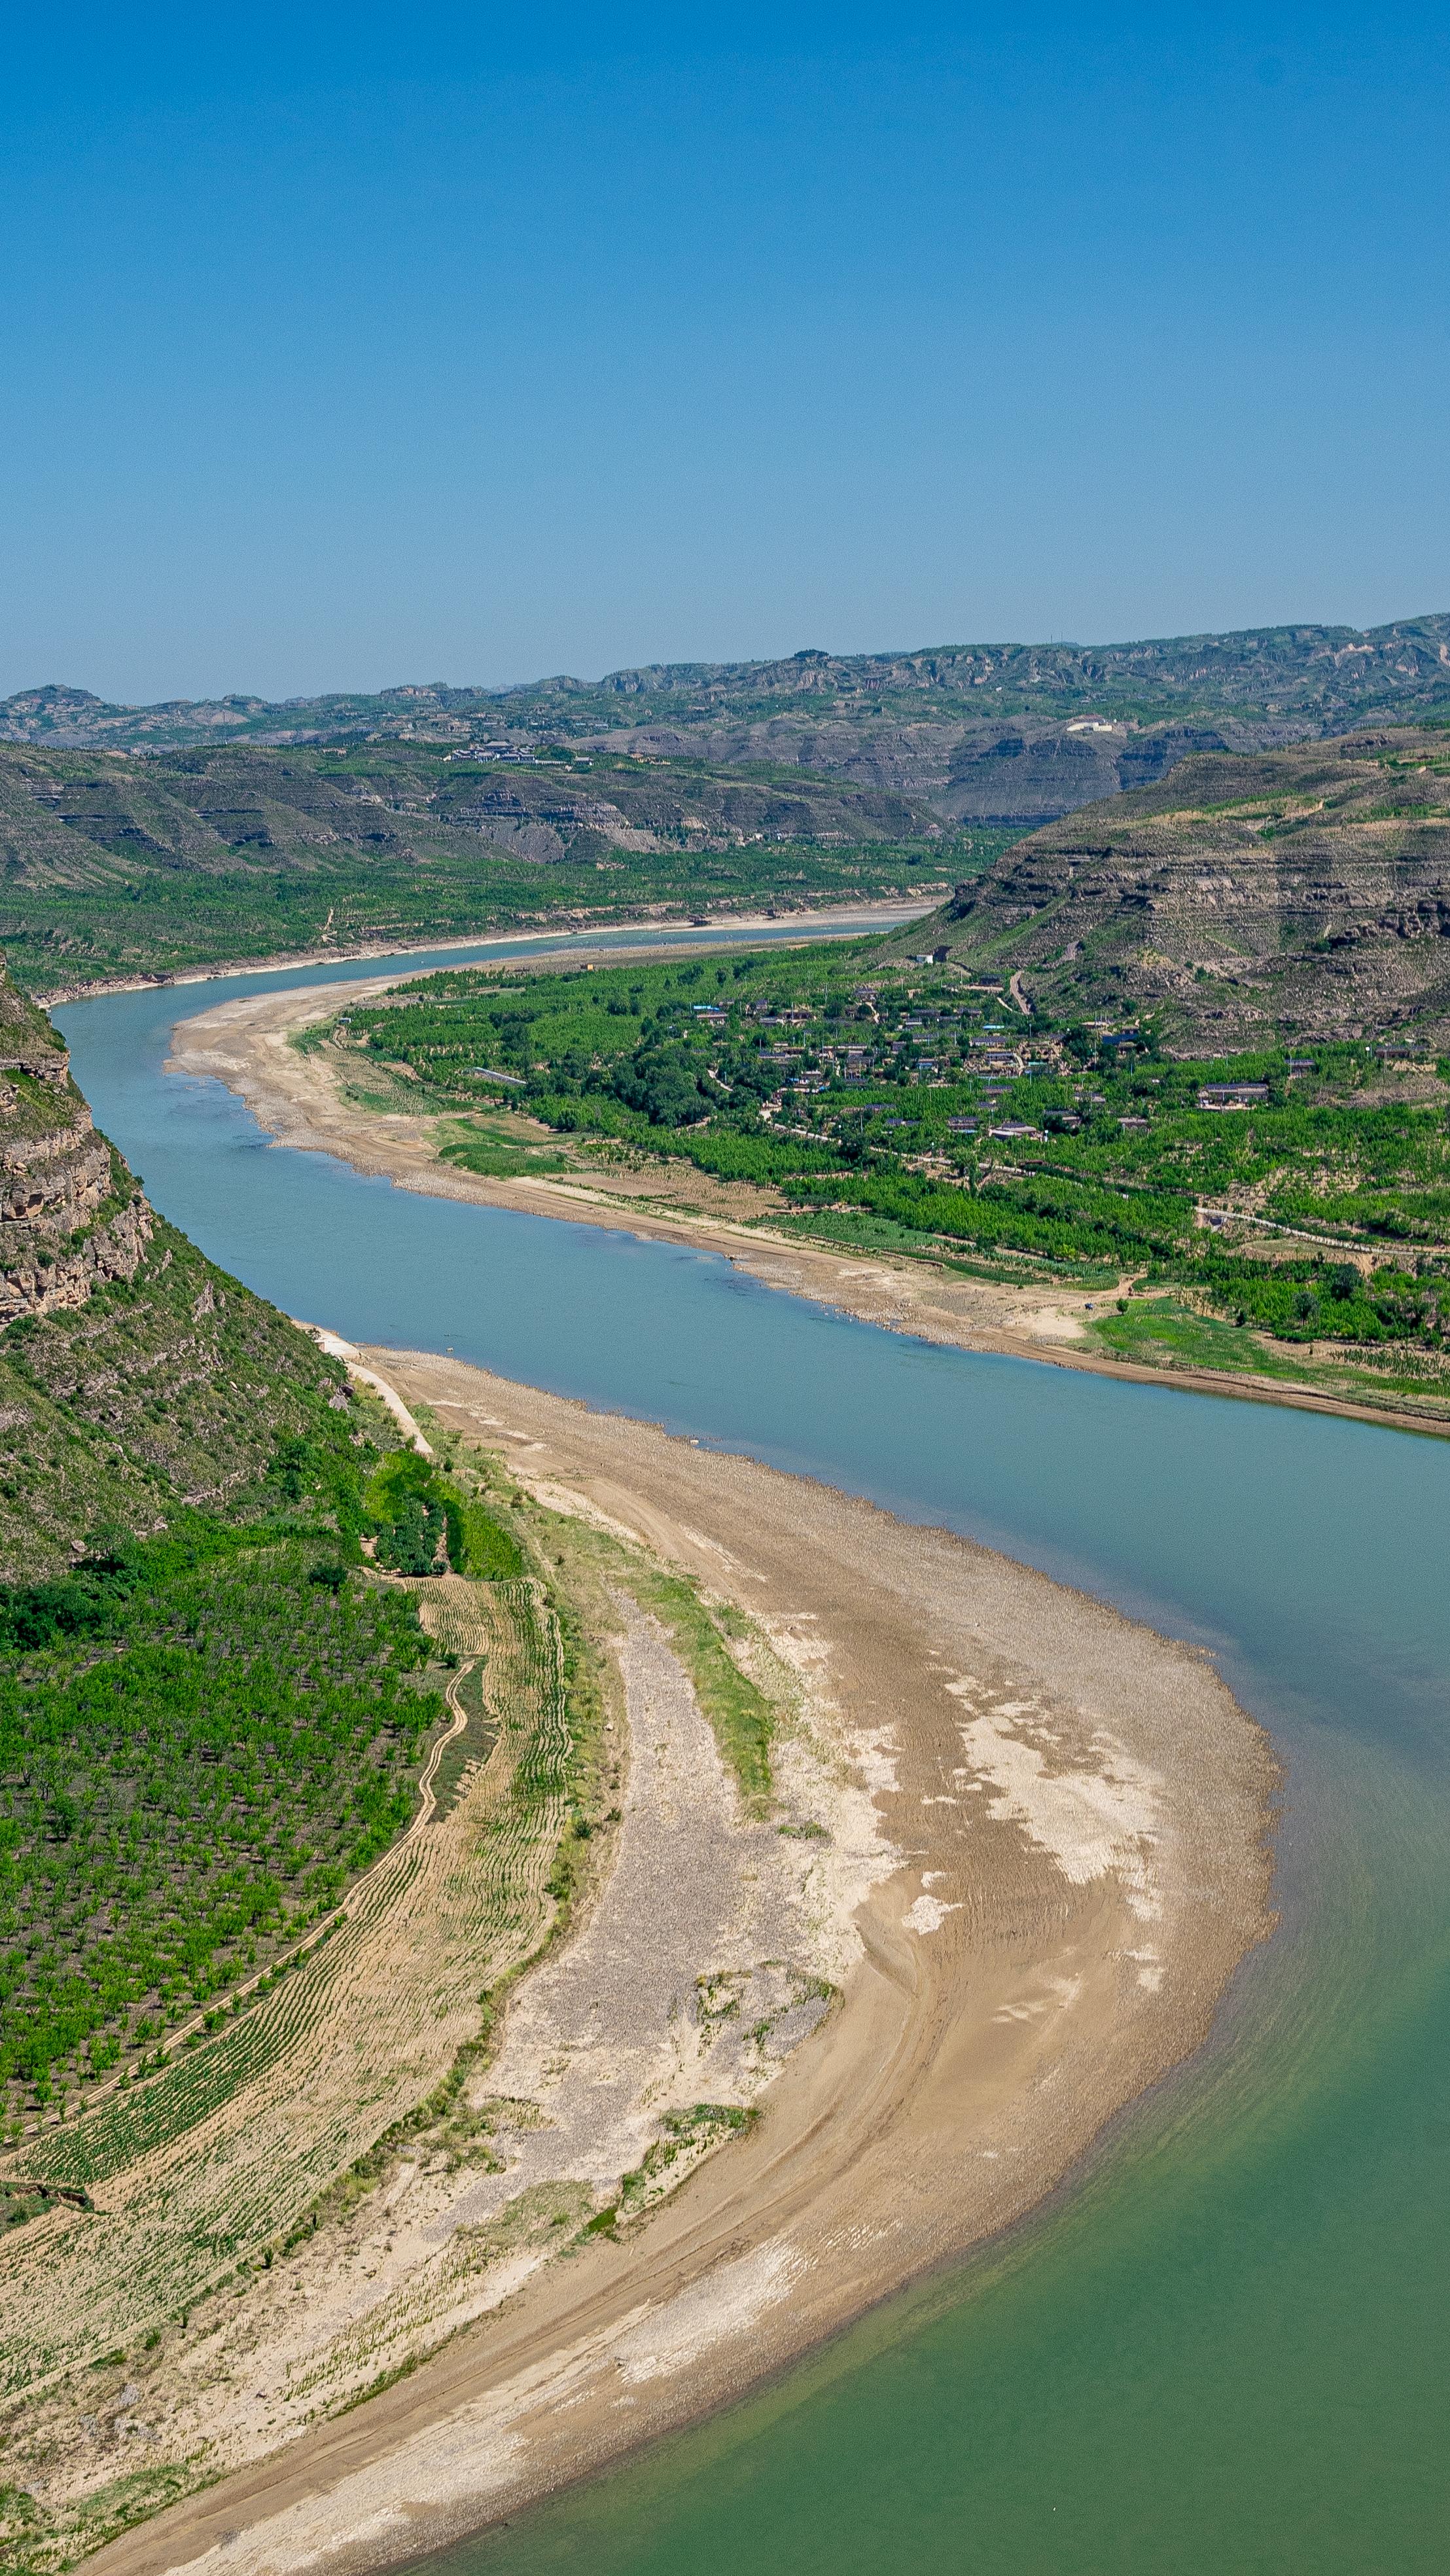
[
  {"x": 300, "y": 1100},
  {"x": 1021, "y": 1840}
]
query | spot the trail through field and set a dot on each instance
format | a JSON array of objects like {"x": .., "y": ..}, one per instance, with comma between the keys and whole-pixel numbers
[{"x": 199, "y": 2169}]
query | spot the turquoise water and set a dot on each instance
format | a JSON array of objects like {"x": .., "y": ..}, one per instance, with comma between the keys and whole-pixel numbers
[{"x": 1226, "y": 2345}]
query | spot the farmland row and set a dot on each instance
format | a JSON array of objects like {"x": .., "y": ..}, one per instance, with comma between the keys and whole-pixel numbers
[{"x": 202, "y": 2168}]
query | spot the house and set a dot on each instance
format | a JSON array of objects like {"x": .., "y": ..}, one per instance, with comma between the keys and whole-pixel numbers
[
  {"x": 962, "y": 1126},
  {"x": 1232, "y": 1095},
  {"x": 1014, "y": 1127}
]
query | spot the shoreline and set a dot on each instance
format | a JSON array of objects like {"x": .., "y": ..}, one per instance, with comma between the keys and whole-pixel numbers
[
  {"x": 1077, "y": 1815},
  {"x": 885, "y": 911},
  {"x": 244, "y": 1044}
]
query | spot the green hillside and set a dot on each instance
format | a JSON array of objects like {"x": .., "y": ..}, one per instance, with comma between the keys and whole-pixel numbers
[
  {"x": 112, "y": 866},
  {"x": 211, "y": 1713}
]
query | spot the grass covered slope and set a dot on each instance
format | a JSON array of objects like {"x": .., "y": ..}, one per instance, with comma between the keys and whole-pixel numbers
[
  {"x": 207, "y": 1725},
  {"x": 113, "y": 867},
  {"x": 175, "y": 1387},
  {"x": 194, "y": 1772}
]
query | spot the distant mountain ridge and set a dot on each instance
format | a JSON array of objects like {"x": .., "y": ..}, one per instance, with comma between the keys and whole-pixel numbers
[
  {"x": 1317, "y": 676},
  {"x": 1008, "y": 735}
]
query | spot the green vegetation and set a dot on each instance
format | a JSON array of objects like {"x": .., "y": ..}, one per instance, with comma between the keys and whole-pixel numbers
[
  {"x": 176, "y": 1384},
  {"x": 887, "y": 1102},
  {"x": 480, "y": 1145},
  {"x": 740, "y": 1716},
  {"x": 210, "y": 1740},
  {"x": 210, "y": 1712},
  {"x": 117, "y": 868}
]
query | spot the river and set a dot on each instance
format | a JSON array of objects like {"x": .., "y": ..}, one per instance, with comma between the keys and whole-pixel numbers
[{"x": 1225, "y": 2345}]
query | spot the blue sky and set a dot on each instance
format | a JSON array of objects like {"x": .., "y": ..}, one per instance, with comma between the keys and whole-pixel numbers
[{"x": 344, "y": 347}]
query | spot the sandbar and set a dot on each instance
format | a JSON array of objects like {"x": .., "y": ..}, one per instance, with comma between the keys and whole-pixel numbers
[{"x": 1068, "y": 1823}]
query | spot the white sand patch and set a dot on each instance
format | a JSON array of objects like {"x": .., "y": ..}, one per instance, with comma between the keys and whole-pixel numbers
[
  {"x": 834, "y": 1772},
  {"x": 461, "y": 2459},
  {"x": 473, "y": 2453},
  {"x": 928, "y": 1914},
  {"x": 1092, "y": 1820},
  {"x": 727, "y": 2302},
  {"x": 1050, "y": 1324}
]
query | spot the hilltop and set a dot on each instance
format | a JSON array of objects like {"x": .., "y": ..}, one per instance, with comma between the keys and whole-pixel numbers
[
  {"x": 996, "y": 733},
  {"x": 1303, "y": 892}
]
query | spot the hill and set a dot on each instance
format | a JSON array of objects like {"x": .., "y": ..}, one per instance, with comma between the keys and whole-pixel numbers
[
  {"x": 997, "y": 733},
  {"x": 137, "y": 1381},
  {"x": 111, "y": 866},
  {"x": 1297, "y": 893}
]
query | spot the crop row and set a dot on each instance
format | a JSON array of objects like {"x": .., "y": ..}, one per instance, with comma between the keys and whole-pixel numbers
[{"x": 232, "y": 2148}]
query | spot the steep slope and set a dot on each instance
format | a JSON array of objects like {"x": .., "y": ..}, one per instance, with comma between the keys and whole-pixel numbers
[
  {"x": 1300, "y": 892},
  {"x": 135, "y": 1377}
]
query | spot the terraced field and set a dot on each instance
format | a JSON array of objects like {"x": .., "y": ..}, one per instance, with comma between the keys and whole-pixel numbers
[{"x": 198, "y": 2172}]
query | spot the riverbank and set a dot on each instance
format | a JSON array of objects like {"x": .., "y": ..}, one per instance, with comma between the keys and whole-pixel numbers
[
  {"x": 300, "y": 1099},
  {"x": 1051, "y": 1825},
  {"x": 879, "y": 913}
]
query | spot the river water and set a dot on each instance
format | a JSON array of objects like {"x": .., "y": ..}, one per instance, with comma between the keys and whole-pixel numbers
[{"x": 1225, "y": 2345}]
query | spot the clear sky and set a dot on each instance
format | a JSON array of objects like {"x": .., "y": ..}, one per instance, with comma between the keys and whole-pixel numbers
[{"x": 351, "y": 346}]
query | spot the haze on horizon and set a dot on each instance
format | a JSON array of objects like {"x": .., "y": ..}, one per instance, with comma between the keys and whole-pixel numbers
[{"x": 337, "y": 362}]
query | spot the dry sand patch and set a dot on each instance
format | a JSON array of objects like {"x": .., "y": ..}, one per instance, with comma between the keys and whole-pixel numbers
[{"x": 1069, "y": 1800}]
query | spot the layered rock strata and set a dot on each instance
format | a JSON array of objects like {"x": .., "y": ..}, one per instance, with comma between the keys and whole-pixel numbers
[
  {"x": 71, "y": 1214},
  {"x": 1305, "y": 890}
]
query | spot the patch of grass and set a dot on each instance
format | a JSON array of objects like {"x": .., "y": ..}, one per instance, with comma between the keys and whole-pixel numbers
[
  {"x": 37, "y": 2539},
  {"x": 1164, "y": 1332},
  {"x": 498, "y": 1157},
  {"x": 740, "y": 1716}
]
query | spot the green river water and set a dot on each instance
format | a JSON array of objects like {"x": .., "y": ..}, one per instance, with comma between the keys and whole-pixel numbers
[{"x": 1225, "y": 2345}]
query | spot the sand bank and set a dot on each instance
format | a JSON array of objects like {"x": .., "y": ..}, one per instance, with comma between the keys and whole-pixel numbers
[
  {"x": 299, "y": 1100},
  {"x": 1035, "y": 1833}
]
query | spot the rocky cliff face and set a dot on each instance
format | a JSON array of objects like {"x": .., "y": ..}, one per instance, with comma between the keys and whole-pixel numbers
[
  {"x": 1305, "y": 891},
  {"x": 71, "y": 1215},
  {"x": 135, "y": 1378},
  {"x": 1022, "y": 772}
]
